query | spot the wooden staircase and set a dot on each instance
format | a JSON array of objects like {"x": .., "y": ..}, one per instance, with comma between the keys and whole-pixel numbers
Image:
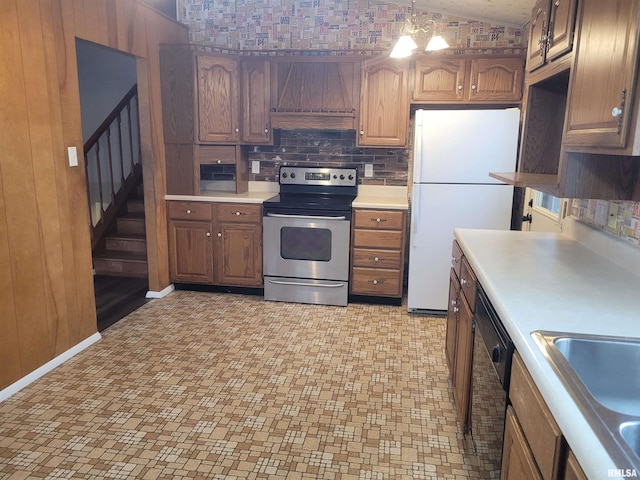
[{"x": 123, "y": 251}]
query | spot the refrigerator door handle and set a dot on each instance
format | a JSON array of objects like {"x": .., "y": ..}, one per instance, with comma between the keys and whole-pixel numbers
[
  {"x": 415, "y": 197},
  {"x": 417, "y": 149}
]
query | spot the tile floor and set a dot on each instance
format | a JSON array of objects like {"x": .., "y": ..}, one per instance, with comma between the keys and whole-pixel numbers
[{"x": 202, "y": 385}]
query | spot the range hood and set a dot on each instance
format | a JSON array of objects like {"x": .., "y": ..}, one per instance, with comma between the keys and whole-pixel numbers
[{"x": 317, "y": 93}]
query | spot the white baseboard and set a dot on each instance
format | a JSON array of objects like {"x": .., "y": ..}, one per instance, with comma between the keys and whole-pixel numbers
[
  {"x": 162, "y": 293},
  {"x": 47, "y": 367}
]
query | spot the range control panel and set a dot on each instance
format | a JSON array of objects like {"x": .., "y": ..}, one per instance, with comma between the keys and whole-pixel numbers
[{"x": 338, "y": 177}]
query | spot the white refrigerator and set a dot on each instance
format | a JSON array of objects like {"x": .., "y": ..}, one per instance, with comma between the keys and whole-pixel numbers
[{"x": 454, "y": 151}]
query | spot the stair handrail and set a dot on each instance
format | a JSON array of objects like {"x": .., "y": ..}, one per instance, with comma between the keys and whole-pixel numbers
[{"x": 104, "y": 210}]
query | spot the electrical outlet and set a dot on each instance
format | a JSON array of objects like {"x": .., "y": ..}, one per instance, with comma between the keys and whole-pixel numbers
[
  {"x": 255, "y": 166},
  {"x": 368, "y": 170},
  {"x": 72, "y": 153}
]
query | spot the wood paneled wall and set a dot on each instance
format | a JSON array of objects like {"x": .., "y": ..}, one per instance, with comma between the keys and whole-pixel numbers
[{"x": 46, "y": 286}]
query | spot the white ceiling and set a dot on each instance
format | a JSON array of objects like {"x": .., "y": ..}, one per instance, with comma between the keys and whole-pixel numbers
[{"x": 510, "y": 12}]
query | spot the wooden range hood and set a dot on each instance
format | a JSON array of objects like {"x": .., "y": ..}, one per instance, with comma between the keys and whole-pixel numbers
[{"x": 316, "y": 93}]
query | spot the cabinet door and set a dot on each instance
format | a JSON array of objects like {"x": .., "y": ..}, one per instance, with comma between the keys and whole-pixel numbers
[
  {"x": 452, "y": 323},
  {"x": 537, "y": 35},
  {"x": 572, "y": 470},
  {"x": 603, "y": 78},
  {"x": 190, "y": 252},
  {"x": 496, "y": 79},
  {"x": 256, "y": 98},
  {"x": 439, "y": 80},
  {"x": 517, "y": 460},
  {"x": 464, "y": 350},
  {"x": 217, "y": 102},
  {"x": 561, "y": 25},
  {"x": 239, "y": 249},
  {"x": 384, "y": 103}
]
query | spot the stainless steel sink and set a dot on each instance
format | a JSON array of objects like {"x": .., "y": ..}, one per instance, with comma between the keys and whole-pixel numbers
[{"x": 602, "y": 374}]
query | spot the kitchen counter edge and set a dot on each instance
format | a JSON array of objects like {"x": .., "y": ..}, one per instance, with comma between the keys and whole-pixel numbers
[{"x": 549, "y": 281}]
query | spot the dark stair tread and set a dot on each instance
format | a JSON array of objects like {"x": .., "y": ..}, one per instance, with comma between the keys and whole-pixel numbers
[
  {"x": 121, "y": 255},
  {"x": 127, "y": 236}
]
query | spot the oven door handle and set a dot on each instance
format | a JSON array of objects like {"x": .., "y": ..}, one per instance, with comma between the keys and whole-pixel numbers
[
  {"x": 307, "y": 217},
  {"x": 303, "y": 284}
]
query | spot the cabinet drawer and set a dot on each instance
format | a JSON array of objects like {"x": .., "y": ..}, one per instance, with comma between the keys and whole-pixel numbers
[
  {"x": 456, "y": 258},
  {"x": 468, "y": 283},
  {"x": 378, "y": 239},
  {"x": 240, "y": 212},
  {"x": 542, "y": 431},
  {"x": 363, "y": 257},
  {"x": 215, "y": 154},
  {"x": 379, "y": 219},
  {"x": 376, "y": 281},
  {"x": 190, "y": 211}
]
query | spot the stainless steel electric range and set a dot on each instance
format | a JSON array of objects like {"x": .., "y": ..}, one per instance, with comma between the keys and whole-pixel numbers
[{"x": 306, "y": 239}]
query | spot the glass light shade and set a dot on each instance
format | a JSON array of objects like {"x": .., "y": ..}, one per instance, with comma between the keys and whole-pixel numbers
[
  {"x": 404, "y": 47},
  {"x": 436, "y": 43}
]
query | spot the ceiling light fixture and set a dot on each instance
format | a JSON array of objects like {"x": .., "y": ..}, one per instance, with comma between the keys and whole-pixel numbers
[{"x": 406, "y": 44}]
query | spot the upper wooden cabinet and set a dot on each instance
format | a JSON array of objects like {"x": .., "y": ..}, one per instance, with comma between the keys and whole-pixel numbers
[
  {"x": 255, "y": 86},
  {"x": 551, "y": 31},
  {"x": 602, "y": 101},
  {"x": 217, "y": 99},
  {"x": 384, "y": 103},
  {"x": 452, "y": 79}
]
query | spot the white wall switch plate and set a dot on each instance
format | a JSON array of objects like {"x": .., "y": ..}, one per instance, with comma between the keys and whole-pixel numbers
[
  {"x": 255, "y": 166},
  {"x": 72, "y": 153},
  {"x": 368, "y": 170}
]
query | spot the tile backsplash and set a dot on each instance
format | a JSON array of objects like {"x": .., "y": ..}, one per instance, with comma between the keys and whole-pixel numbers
[
  {"x": 330, "y": 148},
  {"x": 621, "y": 219}
]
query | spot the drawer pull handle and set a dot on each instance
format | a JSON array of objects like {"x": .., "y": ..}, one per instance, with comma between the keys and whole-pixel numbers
[
  {"x": 188, "y": 211},
  {"x": 375, "y": 282},
  {"x": 375, "y": 259},
  {"x": 238, "y": 214}
]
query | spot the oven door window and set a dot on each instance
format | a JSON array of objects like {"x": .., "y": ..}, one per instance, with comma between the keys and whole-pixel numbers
[{"x": 304, "y": 243}]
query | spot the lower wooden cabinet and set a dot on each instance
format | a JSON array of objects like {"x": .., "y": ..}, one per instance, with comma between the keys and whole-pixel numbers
[
  {"x": 459, "y": 333},
  {"x": 572, "y": 469},
  {"x": 541, "y": 436},
  {"x": 190, "y": 243},
  {"x": 377, "y": 256},
  {"x": 239, "y": 245},
  {"x": 517, "y": 459},
  {"x": 215, "y": 243}
]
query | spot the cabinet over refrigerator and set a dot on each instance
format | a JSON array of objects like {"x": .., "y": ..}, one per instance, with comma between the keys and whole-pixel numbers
[{"x": 454, "y": 151}]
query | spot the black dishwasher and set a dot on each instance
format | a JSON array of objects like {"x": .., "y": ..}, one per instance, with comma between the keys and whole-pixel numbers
[{"x": 490, "y": 374}]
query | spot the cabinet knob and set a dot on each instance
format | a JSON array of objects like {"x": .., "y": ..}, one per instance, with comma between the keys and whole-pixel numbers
[
  {"x": 473, "y": 87},
  {"x": 219, "y": 234},
  {"x": 237, "y": 130},
  {"x": 463, "y": 281},
  {"x": 375, "y": 259},
  {"x": 459, "y": 87},
  {"x": 266, "y": 129},
  {"x": 375, "y": 282},
  {"x": 616, "y": 112},
  {"x": 219, "y": 162},
  {"x": 453, "y": 302},
  {"x": 456, "y": 309},
  {"x": 208, "y": 234},
  {"x": 378, "y": 220},
  {"x": 361, "y": 132},
  {"x": 238, "y": 214},
  {"x": 188, "y": 211}
]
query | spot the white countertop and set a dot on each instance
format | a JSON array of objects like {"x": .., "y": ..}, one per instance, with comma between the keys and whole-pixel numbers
[
  {"x": 369, "y": 196},
  {"x": 548, "y": 281},
  {"x": 378, "y": 196}
]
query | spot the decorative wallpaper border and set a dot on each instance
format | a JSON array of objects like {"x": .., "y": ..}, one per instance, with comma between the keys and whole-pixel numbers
[
  {"x": 327, "y": 25},
  {"x": 621, "y": 219}
]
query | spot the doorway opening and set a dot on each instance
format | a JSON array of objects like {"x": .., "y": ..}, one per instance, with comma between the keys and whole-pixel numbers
[{"x": 111, "y": 135}]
